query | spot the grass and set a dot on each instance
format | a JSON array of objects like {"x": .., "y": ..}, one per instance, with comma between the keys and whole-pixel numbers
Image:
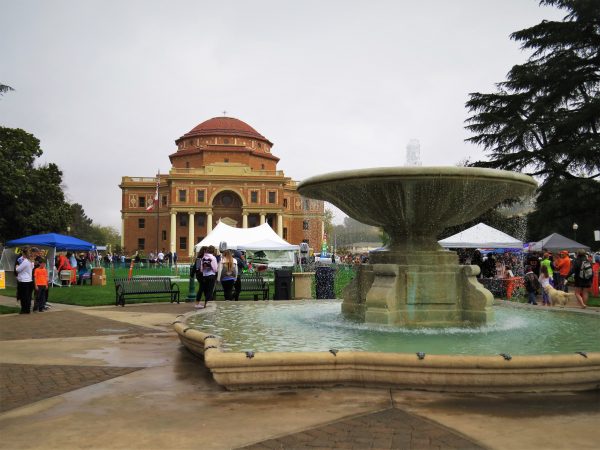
[
  {"x": 9, "y": 309},
  {"x": 87, "y": 295}
]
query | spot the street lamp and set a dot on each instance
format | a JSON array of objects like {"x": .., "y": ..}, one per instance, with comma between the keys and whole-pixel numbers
[
  {"x": 68, "y": 231},
  {"x": 575, "y": 226}
]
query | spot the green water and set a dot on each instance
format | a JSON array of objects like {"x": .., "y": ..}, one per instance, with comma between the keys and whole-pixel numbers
[{"x": 319, "y": 326}]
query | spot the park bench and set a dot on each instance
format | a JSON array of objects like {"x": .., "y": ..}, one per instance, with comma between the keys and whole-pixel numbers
[
  {"x": 250, "y": 282},
  {"x": 141, "y": 286}
]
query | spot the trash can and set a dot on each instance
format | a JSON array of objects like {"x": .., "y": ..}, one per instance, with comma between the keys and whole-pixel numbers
[
  {"x": 324, "y": 285},
  {"x": 283, "y": 284}
]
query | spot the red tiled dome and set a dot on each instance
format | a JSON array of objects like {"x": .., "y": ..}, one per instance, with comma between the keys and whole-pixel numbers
[{"x": 228, "y": 126}]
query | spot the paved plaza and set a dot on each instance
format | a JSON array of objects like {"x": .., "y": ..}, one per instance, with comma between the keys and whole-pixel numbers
[{"x": 118, "y": 378}]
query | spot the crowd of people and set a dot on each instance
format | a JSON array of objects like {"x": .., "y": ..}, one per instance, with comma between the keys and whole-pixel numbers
[
  {"x": 210, "y": 268},
  {"x": 556, "y": 271}
]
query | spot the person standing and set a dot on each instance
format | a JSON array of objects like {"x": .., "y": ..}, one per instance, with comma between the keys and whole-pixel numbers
[
  {"x": 227, "y": 272},
  {"x": 241, "y": 266},
  {"x": 41, "y": 286},
  {"x": 531, "y": 285},
  {"x": 24, "y": 282},
  {"x": 81, "y": 268},
  {"x": 209, "y": 274},
  {"x": 562, "y": 267},
  {"x": 547, "y": 262},
  {"x": 583, "y": 273},
  {"x": 544, "y": 280},
  {"x": 198, "y": 274}
]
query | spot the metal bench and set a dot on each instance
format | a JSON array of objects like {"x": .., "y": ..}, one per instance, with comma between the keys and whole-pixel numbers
[
  {"x": 250, "y": 282},
  {"x": 139, "y": 286}
]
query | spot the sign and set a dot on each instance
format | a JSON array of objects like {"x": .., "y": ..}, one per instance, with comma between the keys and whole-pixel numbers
[
  {"x": 597, "y": 235},
  {"x": 2, "y": 279}
]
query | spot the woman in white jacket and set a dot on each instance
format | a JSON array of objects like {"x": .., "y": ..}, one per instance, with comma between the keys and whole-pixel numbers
[{"x": 24, "y": 270}]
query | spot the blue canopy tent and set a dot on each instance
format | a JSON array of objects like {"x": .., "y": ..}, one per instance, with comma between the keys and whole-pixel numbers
[
  {"x": 53, "y": 242},
  {"x": 59, "y": 242}
]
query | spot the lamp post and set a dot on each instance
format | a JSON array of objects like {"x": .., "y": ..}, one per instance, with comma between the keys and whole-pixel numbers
[
  {"x": 575, "y": 226},
  {"x": 68, "y": 231}
]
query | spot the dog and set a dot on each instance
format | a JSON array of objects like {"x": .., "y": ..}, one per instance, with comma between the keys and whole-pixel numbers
[{"x": 558, "y": 297}]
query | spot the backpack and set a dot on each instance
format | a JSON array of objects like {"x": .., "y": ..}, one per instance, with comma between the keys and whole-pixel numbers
[
  {"x": 585, "y": 270},
  {"x": 531, "y": 283},
  {"x": 206, "y": 263}
]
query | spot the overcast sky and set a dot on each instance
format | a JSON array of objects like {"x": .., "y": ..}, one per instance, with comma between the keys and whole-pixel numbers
[{"x": 107, "y": 86}]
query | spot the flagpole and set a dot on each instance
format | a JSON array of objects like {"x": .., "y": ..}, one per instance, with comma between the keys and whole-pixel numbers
[{"x": 157, "y": 211}]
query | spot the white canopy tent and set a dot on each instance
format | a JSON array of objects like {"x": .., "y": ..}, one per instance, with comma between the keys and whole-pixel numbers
[
  {"x": 481, "y": 236},
  {"x": 278, "y": 252},
  {"x": 257, "y": 238}
]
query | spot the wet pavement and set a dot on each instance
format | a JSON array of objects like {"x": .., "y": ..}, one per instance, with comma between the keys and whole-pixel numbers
[{"x": 118, "y": 378}]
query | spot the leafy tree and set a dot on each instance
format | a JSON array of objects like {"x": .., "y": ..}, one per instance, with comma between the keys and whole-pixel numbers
[
  {"x": 545, "y": 118},
  {"x": 31, "y": 197}
]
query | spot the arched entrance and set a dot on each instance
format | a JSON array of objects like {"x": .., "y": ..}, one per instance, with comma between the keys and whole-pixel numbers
[{"x": 227, "y": 206}]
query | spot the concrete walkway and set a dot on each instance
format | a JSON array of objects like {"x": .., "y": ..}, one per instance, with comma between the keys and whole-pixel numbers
[{"x": 117, "y": 378}]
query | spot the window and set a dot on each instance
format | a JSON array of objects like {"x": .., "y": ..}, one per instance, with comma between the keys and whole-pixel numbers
[
  {"x": 183, "y": 220},
  {"x": 200, "y": 196},
  {"x": 272, "y": 196},
  {"x": 226, "y": 141},
  {"x": 141, "y": 243},
  {"x": 226, "y": 160},
  {"x": 142, "y": 202},
  {"x": 141, "y": 223},
  {"x": 259, "y": 145},
  {"x": 306, "y": 205},
  {"x": 164, "y": 200},
  {"x": 164, "y": 235},
  {"x": 187, "y": 164},
  {"x": 182, "y": 195},
  {"x": 182, "y": 243},
  {"x": 262, "y": 166},
  {"x": 201, "y": 220},
  {"x": 285, "y": 233},
  {"x": 305, "y": 224},
  {"x": 285, "y": 202},
  {"x": 254, "y": 197}
]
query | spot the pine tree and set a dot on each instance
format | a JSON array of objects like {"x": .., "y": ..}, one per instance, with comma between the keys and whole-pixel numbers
[{"x": 545, "y": 118}]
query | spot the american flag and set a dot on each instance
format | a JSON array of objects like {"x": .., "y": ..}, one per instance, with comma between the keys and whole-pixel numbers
[{"x": 150, "y": 207}]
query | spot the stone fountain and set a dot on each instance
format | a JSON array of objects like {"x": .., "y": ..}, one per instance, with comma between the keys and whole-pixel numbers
[{"x": 413, "y": 281}]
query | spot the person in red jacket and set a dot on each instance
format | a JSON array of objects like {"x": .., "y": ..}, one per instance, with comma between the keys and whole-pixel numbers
[{"x": 562, "y": 266}]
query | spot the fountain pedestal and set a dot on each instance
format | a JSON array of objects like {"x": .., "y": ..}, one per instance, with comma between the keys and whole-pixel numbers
[{"x": 419, "y": 288}]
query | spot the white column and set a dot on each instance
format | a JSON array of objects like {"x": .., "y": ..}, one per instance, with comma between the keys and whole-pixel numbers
[
  {"x": 280, "y": 225},
  {"x": 191, "y": 226},
  {"x": 172, "y": 247},
  {"x": 122, "y": 233},
  {"x": 262, "y": 218},
  {"x": 208, "y": 222},
  {"x": 322, "y": 230},
  {"x": 244, "y": 220}
]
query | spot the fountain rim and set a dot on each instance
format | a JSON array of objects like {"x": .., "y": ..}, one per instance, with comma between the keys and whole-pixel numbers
[
  {"x": 438, "y": 373},
  {"x": 411, "y": 173}
]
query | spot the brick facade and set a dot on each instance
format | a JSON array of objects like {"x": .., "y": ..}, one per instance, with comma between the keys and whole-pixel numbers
[{"x": 222, "y": 170}]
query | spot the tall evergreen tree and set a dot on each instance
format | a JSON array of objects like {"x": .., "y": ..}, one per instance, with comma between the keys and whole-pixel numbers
[{"x": 545, "y": 118}]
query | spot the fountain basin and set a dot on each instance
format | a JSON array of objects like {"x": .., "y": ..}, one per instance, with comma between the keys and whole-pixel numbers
[{"x": 234, "y": 369}]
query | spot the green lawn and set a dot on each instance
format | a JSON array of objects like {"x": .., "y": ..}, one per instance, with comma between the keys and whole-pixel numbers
[
  {"x": 9, "y": 309},
  {"x": 88, "y": 295}
]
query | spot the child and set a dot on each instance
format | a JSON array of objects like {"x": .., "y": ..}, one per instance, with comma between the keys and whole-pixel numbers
[
  {"x": 544, "y": 280},
  {"x": 41, "y": 286}
]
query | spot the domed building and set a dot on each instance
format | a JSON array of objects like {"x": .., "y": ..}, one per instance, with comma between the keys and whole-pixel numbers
[{"x": 223, "y": 170}]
